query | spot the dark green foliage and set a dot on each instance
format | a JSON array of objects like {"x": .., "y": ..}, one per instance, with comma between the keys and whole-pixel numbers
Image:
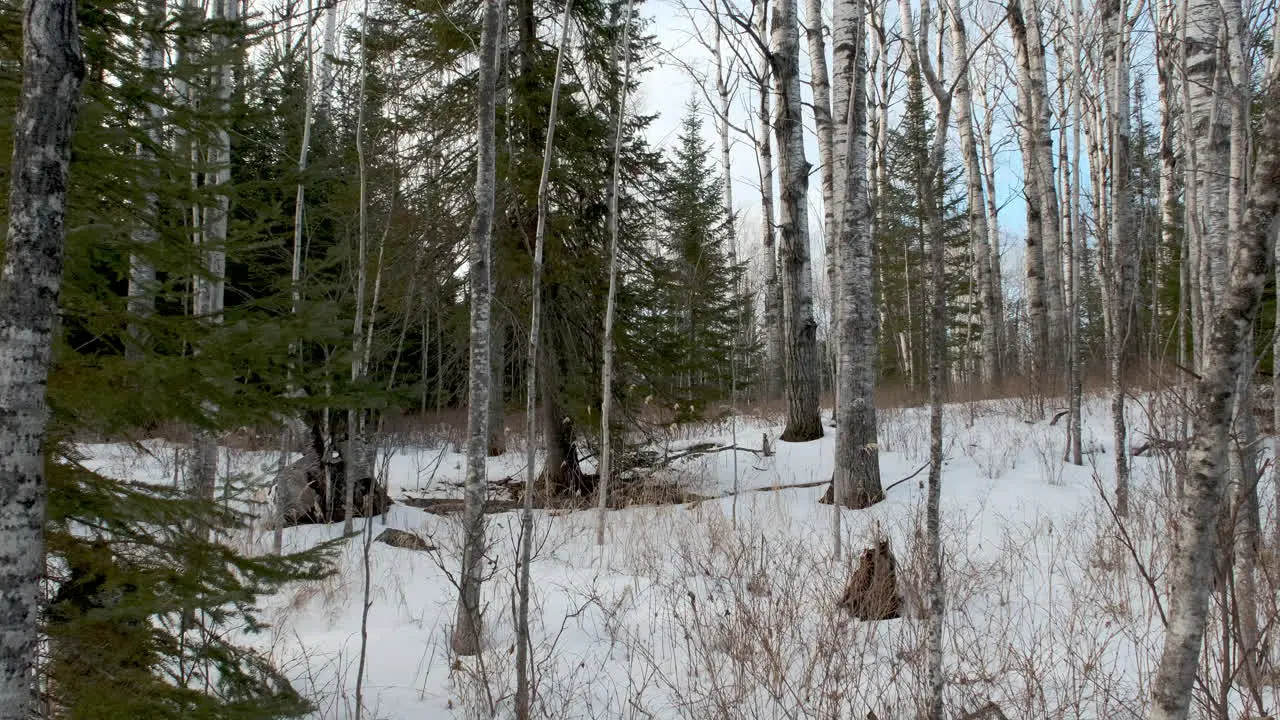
[
  {"x": 694, "y": 316},
  {"x": 901, "y": 251}
]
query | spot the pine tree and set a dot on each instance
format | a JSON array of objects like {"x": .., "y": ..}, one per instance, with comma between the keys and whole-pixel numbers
[{"x": 696, "y": 282}]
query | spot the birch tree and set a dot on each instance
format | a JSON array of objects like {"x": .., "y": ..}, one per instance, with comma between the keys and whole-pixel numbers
[
  {"x": 803, "y": 421},
  {"x": 210, "y": 282},
  {"x": 1251, "y": 265},
  {"x": 466, "y": 634},
  {"x": 142, "y": 275},
  {"x": 856, "y": 482},
  {"x": 354, "y": 454},
  {"x": 1118, "y": 243},
  {"x": 615, "y": 183},
  {"x": 524, "y": 662},
  {"x": 52, "y": 73},
  {"x": 775, "y": 360}
]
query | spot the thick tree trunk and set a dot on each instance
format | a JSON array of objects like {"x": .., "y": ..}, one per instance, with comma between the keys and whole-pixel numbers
[
  {"x": 1199, "y": 515},
  {"x": 775, "y": 361},
  {"x": 803, "y": 422},
  {"x": 977, "y": 203},
  {"x": 856, "y": 483},
  {"x": 466, "y": 633},
  {"x": 1037, "y": 301},
  {"x": 52, "y": 72}
]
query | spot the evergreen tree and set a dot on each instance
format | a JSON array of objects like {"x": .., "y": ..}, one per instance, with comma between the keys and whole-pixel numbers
[
  {"x": 901, "y": 253},
  {"x": 698, "y": 308}
]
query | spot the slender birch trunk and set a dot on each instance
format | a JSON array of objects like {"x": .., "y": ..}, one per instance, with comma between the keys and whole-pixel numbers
[
  {"x": 467, "y": 627},
  {"x": 1046, "y": 187},
  {"x": 803, "y": 422},
  {"x": 1251, "y": 266},
  {"x": 927, "y": 190},
  {"x": 52, "y": 73},
  {"x": 856, "y": 482},
  {"x": 820, "y": 83},
  {"x": 354, "y": 454},
  {"x": 1075, "y": 421},
  {"x": 524, "y": 661},
  {"x": 615, "y": 188},
  {"x": 1115, "y": 30},
  {"x": 142, "y": 275},
  {"x": 987, "y": 156}
]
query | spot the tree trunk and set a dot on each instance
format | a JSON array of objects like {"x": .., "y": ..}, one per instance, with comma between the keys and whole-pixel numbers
[
  {"x": 1037, "y": 286},
  {"x": 615, "y": 187},
  {"x": 856, "y": 483},
  {"x": 1193, "y": 562},
  {"x": 52, "y": 73},
  {"x": 1115, "y": 29},
  {"x": 142, "y": 275},
  {"x": 775, "y": 362},
  {"x": 524, "y": 663},
  {"x": 355, "y": 453},
  {"x": 467, "y": 627},
  {"x": 976, "y": 198},
  {"x": 820, "y": 83},
  {"x": 803, "y": 422}
]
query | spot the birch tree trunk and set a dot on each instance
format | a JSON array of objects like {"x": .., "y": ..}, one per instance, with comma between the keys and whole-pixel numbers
[
  {"x": 52, "y": 73},
  {"x": 803, "y": 422},
  {"x": 1075, "y": 247},
  {"x": 466, "y": 633},
  {"x": 856, "y": 482},
  {"x": 1046, "y": 187},
  {"x": 615, "y": 187},
  {"x": 775, "y": 361},
  {"x": 354, "y": 455},
  {"x": 210, "y": 285},
  {"x": 820, "y": 83},
  {"x": 1251, "y": 266},
  {"x": 524, "y": 662},
  {"x": 142, "y": 275},
  {"x": 1115, "y": 30},
  {"x": 976, "y": 198},
  {"x": 987, "y": 156},
  {"x": 1037, "y": 290}
]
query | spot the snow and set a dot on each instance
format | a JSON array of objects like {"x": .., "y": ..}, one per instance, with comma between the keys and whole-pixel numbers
[{"x": 687, "y": 613}]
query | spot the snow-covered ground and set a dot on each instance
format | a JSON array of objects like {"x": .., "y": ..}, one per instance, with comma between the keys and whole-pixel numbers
[{"x": 726, "y": 608}]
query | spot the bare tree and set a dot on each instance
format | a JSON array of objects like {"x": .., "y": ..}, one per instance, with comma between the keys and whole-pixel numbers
[
  {"x": 524, "y": 663},
  {"x": 775, "y": 354},
  {"x": 52, "y": 73},
  {"x": 803, "y": 421},
  {"x": 354, "y": 455},
  {"x": 466, "y": 633},
  {"x": 1251, "y": 265},
  {"x": 615, "y": 187}
]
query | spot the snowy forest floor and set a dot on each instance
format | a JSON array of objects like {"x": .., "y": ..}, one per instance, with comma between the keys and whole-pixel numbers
[{"x": 727, "y": 608}]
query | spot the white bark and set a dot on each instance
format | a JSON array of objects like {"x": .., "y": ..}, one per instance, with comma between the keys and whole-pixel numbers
[
  {"x": 210, "y": 285},
  {"x": 1251, "y": 265},
  {"x": 820, "y": 84},
  {"x": 856, "y": 482},
  {"x": 466, "y": 634},
  {"x": 775, "y": 361},
  {"x": 988, "y": 286},
  {"x": 142, "y": 275},
  {"x": 524, "y": 662},
  {"x": 803, "y": 422},
  {"x": 52, "y": 72},
  {"x": 615, "y": 187},
  {"x": 354, "y": 456},
  {"x": 1120, "y": 243}
]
